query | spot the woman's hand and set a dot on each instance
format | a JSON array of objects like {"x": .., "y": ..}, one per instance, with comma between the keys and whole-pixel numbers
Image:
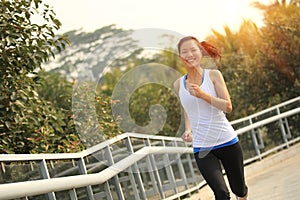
[
  {"x": 195, "y": 90},
  {"x": 187, "y": 136}
]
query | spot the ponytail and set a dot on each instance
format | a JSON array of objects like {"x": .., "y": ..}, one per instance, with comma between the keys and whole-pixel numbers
[{"x": 210, "y": 50}]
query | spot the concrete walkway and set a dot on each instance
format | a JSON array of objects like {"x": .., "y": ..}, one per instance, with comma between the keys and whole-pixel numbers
[{"x": 276, "y": 177}]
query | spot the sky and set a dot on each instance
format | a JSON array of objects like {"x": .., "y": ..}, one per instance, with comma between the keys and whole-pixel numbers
[{"x": 186, "y": 17}]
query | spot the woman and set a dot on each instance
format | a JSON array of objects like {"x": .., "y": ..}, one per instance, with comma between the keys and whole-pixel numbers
[{"x": 205, "y": 98}]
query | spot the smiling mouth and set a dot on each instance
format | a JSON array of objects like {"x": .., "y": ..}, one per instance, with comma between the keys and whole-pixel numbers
[{"x": 191, "y": 60}]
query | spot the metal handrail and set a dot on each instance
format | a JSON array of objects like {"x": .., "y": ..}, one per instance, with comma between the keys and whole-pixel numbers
[
  {"x": 84, "y": 153},
  {"x": 265, "y": 111},
  {"x": 31, "y": 188},
  {"x": 267, "y": 121}
]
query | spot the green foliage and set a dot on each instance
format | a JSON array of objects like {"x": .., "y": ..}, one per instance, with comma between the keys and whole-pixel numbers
[
  {"x": 24, "y": 45},
  {"x": 108, "y": 126},
  {"x": 56, "y": 89},
  {"x": 29, "y": 123}
]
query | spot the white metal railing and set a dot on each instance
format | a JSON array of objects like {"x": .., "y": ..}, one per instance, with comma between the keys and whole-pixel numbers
[
  {"x": 277, "y": 113},
  {"x": 32, "y": 188},
  {"x": 150, "y": 171},
  {"x": 268, "y": 120},
  {"x": 279, "y": 106},
  {"x": 82, "y": 159}
]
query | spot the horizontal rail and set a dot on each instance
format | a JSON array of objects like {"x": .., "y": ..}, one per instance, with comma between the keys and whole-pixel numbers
[
  {"x": 275, "y": 149},
  {"x": 267, "y": 121},
  {"x": 265, "y": 111},
  {"x": 36, "y": 187},
  {"x": 84, "y": 153}
]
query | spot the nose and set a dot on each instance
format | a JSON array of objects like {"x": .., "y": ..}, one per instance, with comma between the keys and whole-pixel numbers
[{"x": 189, "y": 54}]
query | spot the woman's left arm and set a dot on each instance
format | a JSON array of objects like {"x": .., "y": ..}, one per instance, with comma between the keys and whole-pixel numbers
[{"x": 222, "y": 101}]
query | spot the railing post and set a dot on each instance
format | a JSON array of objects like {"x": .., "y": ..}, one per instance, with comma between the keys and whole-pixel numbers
[
  {"x": 45, "y": 175},
  {"x": 3, "y": 167},
  {"x": 107, "y": 191},
  {"x": 152, "y": 175},
  {"x": 115, "y": 178},
  {"x": 72, "y": 194},
  {"x": 257, "y": 146},
  {"x": 169, "y": 170},
  {"x": 137, "y": 174},
  {"x": 181, "y": 169},
  {"x": 190, "y": 163},
  {"x": 284, "y": 125},
  {"x": 82, "y": 169},
  {"x": 155, "y": 172}
]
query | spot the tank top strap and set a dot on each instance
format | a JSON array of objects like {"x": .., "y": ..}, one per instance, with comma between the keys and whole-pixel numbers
[{"x": 203, "y": 74}]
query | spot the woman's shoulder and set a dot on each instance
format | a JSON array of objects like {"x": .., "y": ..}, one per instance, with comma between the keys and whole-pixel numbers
[
  {"x": 214, "y": 71},
  {"x": 215, "y": 75}
]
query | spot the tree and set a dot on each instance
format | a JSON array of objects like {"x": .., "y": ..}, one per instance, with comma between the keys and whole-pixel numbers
[
  {"x": 279, "y": 49},
  {"x": 29, "y": 123},
  {"x": 261, "y": 66}
]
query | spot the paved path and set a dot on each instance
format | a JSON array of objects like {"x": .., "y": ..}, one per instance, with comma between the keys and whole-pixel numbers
[{"x": 276, "y": 177}]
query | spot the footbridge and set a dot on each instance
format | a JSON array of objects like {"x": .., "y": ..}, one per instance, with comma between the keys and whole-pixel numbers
[{"x": 140, "y": 166}]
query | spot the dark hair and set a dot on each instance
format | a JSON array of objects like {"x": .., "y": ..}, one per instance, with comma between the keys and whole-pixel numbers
[{"x": 206, "y": 48}]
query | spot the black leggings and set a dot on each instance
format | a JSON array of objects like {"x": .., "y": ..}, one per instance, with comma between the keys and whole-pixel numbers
[{"x": 231, "y": 158}]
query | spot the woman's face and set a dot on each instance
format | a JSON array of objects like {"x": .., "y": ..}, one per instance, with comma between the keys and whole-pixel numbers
[{"x": 190, "y": 51}]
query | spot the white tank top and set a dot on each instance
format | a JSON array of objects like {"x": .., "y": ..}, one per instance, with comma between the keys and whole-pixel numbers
[{"x": 209, "y": 125}]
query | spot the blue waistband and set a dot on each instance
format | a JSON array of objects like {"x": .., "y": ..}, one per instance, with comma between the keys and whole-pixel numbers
[{"x": 231, "y": 142}]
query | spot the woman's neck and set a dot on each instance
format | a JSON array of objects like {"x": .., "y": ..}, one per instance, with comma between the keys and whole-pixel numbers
[{"x": 194, "y": 75}]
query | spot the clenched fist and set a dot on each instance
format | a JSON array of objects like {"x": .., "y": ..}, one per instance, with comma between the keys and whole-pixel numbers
[{"x": 187, "y": 136}]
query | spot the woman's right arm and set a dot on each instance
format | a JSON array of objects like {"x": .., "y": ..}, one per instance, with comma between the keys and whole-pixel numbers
[{"x": 187, "y": 135}]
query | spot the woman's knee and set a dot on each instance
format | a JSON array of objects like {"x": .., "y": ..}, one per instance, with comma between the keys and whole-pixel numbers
[
  {"x": 241, "y": 192},
  {"x": 222, "y": 195}
]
